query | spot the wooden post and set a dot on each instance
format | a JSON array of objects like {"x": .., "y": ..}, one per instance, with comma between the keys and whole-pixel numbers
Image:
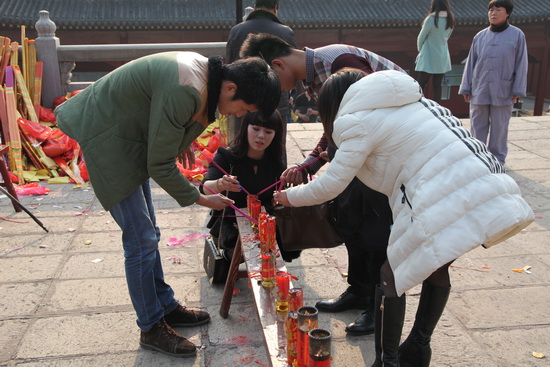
[{"x": 46, "y": 51}]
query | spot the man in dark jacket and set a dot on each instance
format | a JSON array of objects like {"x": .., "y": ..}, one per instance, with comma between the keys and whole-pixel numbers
[{"x": 262, "y": 20}]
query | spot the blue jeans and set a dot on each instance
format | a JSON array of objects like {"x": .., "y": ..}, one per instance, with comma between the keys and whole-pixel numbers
[{"x": 151, "y": 297}]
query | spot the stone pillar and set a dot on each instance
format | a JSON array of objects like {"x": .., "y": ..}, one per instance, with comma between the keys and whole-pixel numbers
[{"x": 46, "y": 51}]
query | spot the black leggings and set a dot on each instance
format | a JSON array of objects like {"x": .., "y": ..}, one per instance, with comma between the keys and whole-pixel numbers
[
  {"x": 439, "y": 278},
  {"x": 423, "y": 78}
]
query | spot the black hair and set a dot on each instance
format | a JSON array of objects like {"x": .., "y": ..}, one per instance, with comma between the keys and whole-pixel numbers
[
  {"x": 266, "y": 46},
  {"x": 442, "y": 5},
  {"x": 257, "y": 84},
  {"x": 506, "y": 4},
  {"x": 274, "y": 152},
  {"x": 331, "y": 95},
  {"x": 268, "y": 4}
]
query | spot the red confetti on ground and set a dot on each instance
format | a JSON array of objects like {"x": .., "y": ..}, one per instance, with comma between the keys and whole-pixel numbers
[
  {"x": 11, "y": 220},
  {"x": 236, "y": 292},
  {"x": 459, "y": 267},
  {"x": 260, "y": 363},
  {"x": 240, "y": 340}
]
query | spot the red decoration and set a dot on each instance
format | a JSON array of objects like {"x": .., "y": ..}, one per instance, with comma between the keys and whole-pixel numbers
[
  {"x": 291, "y": 328},
  {"x": 296, "y": 299}
]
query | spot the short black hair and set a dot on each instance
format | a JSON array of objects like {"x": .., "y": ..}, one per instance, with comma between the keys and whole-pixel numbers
[
  {"x": 266, "y": 46},
  {"x": 268, "y": 4},
  {"x": 506, "y": 4},
  {"x": 257, "y": 84}
]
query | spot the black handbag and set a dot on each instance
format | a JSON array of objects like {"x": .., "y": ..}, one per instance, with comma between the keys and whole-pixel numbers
[
  {"x": 306, "y": 227},
  {"x": 215, "y": 265}
]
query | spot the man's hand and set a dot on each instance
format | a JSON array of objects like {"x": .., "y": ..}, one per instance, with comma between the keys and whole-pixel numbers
[
  {"x": 293, "y": 176},
  {"x": 216, "y": 201},
  {"x": 466, "y": 98},
  {"x": 187, "y": 158}
]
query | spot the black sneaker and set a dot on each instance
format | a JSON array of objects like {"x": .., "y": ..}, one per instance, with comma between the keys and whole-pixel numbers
[
  {"x": 164, "y": 339},
  {"x": 183, "y": 317}
]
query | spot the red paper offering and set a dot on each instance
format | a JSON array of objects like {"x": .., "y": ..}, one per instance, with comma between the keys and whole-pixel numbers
[
  {"x": 291, "y": 328},
  {"x": 261, "y": 230},
  {"x": 296, "y": 299}
]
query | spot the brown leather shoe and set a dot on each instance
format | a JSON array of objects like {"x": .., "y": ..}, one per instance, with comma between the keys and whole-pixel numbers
[
  {"x": 183, "y": 317},
  {"x": 164, "y": 339}
]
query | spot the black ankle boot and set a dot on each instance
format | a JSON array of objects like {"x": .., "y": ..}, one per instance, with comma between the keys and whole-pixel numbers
[
  {"x": 415, "y": 350},
  {"x": 389, "y": 315},
  {"x": 363, "y": 325}
]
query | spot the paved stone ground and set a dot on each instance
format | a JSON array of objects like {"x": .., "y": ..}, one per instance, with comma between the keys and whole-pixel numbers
[{"x": 64, "y": 302}]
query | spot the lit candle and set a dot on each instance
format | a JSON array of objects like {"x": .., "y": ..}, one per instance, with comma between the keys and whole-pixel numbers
[
  {"x": 283, "y": 284},
  {"x": 319, "y": 348},
  {"x": 255, "y": 209},
  {"x": 307, "y": 321},
  {"x": 296, "y": 299},
  {"x": 291, "y": 326},
  {"x": 271, "y": 234},
  {"x": 249, "y": 200},
  {"x": 268, "y": 270}
]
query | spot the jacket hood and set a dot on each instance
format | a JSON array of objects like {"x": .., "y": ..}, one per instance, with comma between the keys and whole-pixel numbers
[{"x": 382, "y": 89}]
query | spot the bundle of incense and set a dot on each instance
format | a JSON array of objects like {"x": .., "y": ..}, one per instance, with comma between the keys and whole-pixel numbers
[
  {"x": 5, "y": 52},
  {"x": 15, "y": 157},
  {"x": 27, "y": 102}
]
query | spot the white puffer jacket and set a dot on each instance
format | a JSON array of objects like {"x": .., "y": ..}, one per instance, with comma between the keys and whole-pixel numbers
[{"x": 448, "y": 194}]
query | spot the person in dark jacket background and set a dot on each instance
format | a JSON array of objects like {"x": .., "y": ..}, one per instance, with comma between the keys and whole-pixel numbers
[{"x": 262, "y": 20}]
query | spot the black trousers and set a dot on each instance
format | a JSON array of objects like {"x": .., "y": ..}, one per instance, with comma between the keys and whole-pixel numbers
[{"x": 364, "y": 219}]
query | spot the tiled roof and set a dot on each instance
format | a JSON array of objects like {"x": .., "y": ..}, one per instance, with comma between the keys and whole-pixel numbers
[{"x": 221, "y": 14}]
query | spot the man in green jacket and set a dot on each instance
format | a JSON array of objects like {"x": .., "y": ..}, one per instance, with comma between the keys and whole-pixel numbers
[{"x": 132, "y": 125}]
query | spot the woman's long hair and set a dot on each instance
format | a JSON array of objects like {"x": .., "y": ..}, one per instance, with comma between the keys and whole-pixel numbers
[
  {"x": 239, "y": 146},
  {"x": 442, "y": 5},
  {"x": 331, "y": 95}
]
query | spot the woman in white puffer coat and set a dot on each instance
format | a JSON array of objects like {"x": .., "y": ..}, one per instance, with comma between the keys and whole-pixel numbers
[{"x": 448, "y": 194}]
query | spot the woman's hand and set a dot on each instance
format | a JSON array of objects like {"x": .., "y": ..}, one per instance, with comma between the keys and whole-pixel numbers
[
  {"x": 280, "y": 197},
  {"x": 228, "y": 183},
  {"x": 216, "y": 201}
]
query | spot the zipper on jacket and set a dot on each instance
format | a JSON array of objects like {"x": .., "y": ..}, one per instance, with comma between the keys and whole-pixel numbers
[
  {"x": 382, "y": 329},
  {"x": 405, "y": 199}
]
